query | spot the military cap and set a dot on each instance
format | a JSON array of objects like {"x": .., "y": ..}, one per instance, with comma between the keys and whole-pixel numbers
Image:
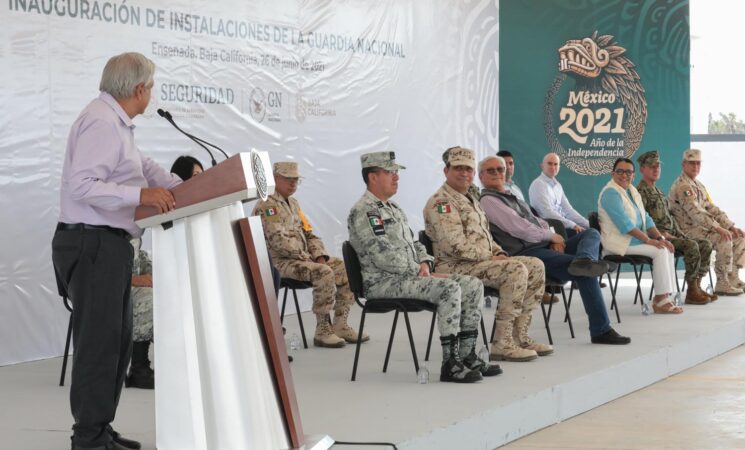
[
  {"x": 462, "y": 157},
  {"x": 287, "y": 169},
  {"x": 692, "y": 154},
  {"x": 384, "y": 160},
  {"x": 649, "y": 158},
  {"x": 446, "y": 153}
]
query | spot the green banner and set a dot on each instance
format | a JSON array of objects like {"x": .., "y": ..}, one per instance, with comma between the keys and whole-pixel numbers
[{"x": 593, "y": 81}]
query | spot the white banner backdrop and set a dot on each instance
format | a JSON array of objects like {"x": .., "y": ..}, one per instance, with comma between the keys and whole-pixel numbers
[{"x": 320, "y": 82}]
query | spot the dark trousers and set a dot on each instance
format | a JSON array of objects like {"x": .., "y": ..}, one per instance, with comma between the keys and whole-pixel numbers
[
  {"x": 584, "y": 244},
  {"x": 95, "y": 268}
]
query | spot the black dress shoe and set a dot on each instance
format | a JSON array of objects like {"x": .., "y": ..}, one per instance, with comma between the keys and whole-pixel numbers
[
  {"x": 124, "y": 442},
  {"x": 586, "y": 267},
  {"x": 110, "y": 446},
  {"x": 610, "y": 337}
]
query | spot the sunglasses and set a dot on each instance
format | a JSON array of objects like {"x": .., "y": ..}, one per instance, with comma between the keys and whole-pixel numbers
[{"x": 495, "y": 170}]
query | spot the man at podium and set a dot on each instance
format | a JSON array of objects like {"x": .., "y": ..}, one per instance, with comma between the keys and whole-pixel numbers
[
  {"x": 300, "y": 255},
  {"x": 104, "y": 177}
]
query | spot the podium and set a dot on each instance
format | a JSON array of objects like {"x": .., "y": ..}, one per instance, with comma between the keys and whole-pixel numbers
[{"x": 222, "y": 378}]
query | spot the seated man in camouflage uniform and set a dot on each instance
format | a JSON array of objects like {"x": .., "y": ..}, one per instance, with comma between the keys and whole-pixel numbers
[
  {"x": 300, "y": 255},
  {"x": 696, "y": 252},
  {"x": 462, "y": 244},
  {"x": 699, "y": 218},
  {"x": 396, "y": 266},
  {"x": 140, "y": 374}
]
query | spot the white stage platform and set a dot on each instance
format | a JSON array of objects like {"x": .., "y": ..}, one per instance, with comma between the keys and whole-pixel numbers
[{"x": 392, "y": 407}]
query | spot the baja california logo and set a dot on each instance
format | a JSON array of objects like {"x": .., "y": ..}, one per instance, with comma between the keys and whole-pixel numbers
[{"x": 604, "y": 114}]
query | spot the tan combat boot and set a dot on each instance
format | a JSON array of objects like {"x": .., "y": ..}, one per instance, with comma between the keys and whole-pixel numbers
[
  {"x": 521, "y": 337},
  {"x": 503, "y": 348},
  {"x": 713, "y": 297},
  {"x": 325, "y": 336},
  {"x": 342, "y": 328},
  {"x": 694, "y": 294},
  {"x": 723, "y": 287},
  {"x": 734, "y": 279}
]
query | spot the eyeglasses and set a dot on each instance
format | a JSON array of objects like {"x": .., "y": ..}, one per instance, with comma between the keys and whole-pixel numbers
[
  {"x": 495, "y": 170},
  {"x": 389, "y": 172},
  {"x": 629, "y": 172}
]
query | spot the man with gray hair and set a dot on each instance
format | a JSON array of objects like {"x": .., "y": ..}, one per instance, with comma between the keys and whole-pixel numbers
[
  {"x": 104, "y": 178},
  {"x": 548, "y": 198}
]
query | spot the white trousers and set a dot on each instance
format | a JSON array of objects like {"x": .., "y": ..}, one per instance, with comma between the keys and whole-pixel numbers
[{"x": 663, "y": 266}]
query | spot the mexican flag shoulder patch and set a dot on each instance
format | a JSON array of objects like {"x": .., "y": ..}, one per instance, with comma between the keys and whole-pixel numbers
[
  {"x": 376, "y": 223},
  {"x": 444, "y": 208},
  {"x": 687, "y": 193},
  {"x": 270, "y": 212}
]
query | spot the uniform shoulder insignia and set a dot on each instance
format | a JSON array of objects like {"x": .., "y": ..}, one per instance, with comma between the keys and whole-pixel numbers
[
  {"x": 376, "y": 223},
  {"x": 687, "y": 193},
  {"x": 443, "y": 208},
  {"x": 271, "y": 213}
]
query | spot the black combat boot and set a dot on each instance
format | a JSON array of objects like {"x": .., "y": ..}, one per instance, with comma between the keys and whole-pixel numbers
[
  {"x": 452, "y": 368},
  {"x": 467, "y": 350},
  {"x": 140, "y": 374}
]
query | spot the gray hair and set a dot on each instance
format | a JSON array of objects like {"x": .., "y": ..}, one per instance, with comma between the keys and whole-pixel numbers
[
  {"x": 489, "y": 158},
  {"x": 124, "y": 72}
]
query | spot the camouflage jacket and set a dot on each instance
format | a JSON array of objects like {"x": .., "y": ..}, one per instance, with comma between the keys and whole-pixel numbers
[
  {"x": 142, "y": 264},
  {"x": 692, "y": 208},
  {"x": 380, "y": 233},
  {"x": 288, "y": 233},
  {"x": 658, "y": 208},
  {"x": 458, "y": 227}
]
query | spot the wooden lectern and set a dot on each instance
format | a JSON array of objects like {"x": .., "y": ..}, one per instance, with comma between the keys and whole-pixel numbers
[{"x": 222, "y": 378}]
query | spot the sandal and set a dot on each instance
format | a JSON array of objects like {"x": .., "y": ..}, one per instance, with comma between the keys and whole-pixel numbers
[{"x": 666, "y": 306}]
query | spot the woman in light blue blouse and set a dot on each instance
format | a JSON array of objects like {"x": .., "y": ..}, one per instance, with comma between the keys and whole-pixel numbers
[{"x": 627, "y": 229}]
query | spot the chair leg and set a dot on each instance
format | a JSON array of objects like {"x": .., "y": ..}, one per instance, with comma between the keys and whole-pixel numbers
[
  {"x": 677, "y": 281},
  {"x": 411, "y": 342},
  {"x": 359, "y": 342},
  {"x": 431, "y": 332},
  {"x": 67, "y": 350},
  {"x": 493, "y": 329},
  {"x": 711, "y": 280},
  {"x": 639, "y": 292},
  {"x": 571, "y": 292},
  {"x": 546, "y": 317},
  {"x": 300, "y": 319},
  {"x": 390, "y": 341},
  {"x": 284, "y": 303},
  {"x": 566, "y": 309},
  {"x": 613, "y": 289},
  {"x": 483, "y": 331}
]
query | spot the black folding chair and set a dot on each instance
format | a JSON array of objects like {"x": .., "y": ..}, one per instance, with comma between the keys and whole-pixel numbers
[
  {"x": 379, "y": 306},
  {"x": 287, "y": 284},
  {"x": 62, "y": 291},
  {"x": 637, "y": 263}
]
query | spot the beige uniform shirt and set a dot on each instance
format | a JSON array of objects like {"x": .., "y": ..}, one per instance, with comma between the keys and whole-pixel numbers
[
  {"x": 692, "y": 208},
  {"x": 288, "y": 235},
  {"x": 458, "y": 227}
]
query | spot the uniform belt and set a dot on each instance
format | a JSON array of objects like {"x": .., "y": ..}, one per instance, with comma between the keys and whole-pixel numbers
[{"x": 84, "y": 226}]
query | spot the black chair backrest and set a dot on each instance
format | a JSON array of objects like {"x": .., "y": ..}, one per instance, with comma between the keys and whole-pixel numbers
[
  {"x": 559, "y": 227},
  {"x": 354, "y": 269},
  {"x": 594, "y": 220},
  {"x": 426, "y": 242}
]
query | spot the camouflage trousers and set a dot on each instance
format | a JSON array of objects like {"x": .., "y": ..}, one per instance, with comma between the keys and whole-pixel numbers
[
  {"x": 458, "y": 298},
  {"x": 520, "y": 281},
  {"x": 696, "y": 256},
  {"x": 330, "y": 284},
  {"x": 729, "y": 254},
  {"x": 142, "y": 314}
]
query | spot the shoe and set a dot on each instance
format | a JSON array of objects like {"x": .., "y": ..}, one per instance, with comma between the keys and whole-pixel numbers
[
  {"x": 586, "y": 267},
  {"x": 723, "y": 287},
  {"x": 504, "y": 348},
  {"x": 124, "y": 442},
  {"x": 473, "y": 362},
  {"x": 110, "y": 446},
  {"x": 549, "y": 298},
  {"x": 325, "y": 336},
  {"x": 610, "y": 337},
  {"x": 520, "y": 337},
  {"x": 290, "y": 358},
  {"x": 342, "y": 328},
  {"x": 695, "y": 296},
  {"x": 452, "y": 369}
]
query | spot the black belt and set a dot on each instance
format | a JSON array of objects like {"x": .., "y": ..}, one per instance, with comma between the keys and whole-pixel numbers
[{"x": 84, "y": 226}]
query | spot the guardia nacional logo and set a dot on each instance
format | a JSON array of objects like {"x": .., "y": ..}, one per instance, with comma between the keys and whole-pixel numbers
[{"x": 595, "y": 110}]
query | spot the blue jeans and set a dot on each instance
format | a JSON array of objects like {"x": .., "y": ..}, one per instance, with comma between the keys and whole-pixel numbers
[{"x": 586, "y": 245}]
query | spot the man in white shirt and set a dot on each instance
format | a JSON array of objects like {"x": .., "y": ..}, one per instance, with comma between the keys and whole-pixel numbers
[
  {"x": 547, "y": 197},
  {"x": 510, "y": 183}
]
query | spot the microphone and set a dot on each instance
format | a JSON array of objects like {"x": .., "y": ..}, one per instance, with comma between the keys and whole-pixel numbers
[
  {"x": 166, "y": 115},
  {"x": 170, "y": 118}
]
